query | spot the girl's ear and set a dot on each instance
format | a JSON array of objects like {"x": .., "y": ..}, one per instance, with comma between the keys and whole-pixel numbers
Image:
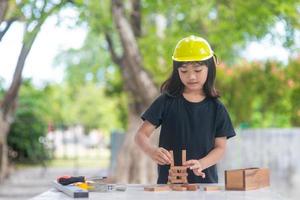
[{"x": 216, "y": 60}]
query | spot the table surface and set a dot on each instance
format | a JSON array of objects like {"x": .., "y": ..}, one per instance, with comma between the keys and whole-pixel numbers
[{"x": 136, "y": 192}]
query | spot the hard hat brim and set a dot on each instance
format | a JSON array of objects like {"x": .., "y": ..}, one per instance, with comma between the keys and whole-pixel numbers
[{"x": 189, "y": 59}]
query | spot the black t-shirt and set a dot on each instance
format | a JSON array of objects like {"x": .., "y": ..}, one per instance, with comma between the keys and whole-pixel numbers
[{"x": 191, "y": 126}]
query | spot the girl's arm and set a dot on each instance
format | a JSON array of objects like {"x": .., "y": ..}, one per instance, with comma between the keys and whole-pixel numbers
[
  {"x": 215, "y": 155},
  {"x": 142, "y": 139},
  {"x": 212, "y": 157}
]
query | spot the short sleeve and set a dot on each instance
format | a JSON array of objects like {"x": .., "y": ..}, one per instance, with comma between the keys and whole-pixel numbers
[
  {"x": 224, "y": 127},
  {"x": 154, "y": 113}
]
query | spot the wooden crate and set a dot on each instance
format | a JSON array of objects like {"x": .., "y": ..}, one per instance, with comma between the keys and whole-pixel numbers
[{"x": 247, "y": 179}]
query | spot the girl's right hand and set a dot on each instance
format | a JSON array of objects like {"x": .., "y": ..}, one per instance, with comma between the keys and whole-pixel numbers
[{"x": 161, "y": 156}]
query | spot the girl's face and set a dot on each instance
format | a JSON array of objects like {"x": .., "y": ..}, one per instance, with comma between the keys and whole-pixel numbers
[{"x": 193, "y": 75}]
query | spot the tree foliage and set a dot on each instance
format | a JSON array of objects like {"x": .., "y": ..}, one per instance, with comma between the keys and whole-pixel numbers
[
  {"x": 94, "y": 87},
  {"x": 261, "y": 94},
  {"x": 30, "y": 126},
  {"x": 256, "y": 93}
]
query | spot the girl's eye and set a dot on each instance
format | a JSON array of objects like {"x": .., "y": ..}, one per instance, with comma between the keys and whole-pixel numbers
[
  {"x": 198, "y": 70},
  {"x": 183, "y": 71}
]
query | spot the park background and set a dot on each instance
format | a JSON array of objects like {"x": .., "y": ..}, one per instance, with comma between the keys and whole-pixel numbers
[{"x": 75, "y": 75}]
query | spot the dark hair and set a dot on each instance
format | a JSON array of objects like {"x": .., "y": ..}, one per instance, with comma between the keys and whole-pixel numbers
[{"x": 174, "y": 87}]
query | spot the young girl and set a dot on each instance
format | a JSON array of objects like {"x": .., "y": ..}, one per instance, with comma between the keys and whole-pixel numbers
[{"x": 190, "y": 115}]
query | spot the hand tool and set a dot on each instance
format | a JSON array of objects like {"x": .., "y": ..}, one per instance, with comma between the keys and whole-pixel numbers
[
  {"x": 71, "y": 190},
  {"x": 66, "y": 180},
  {"x": 100, "y": 187}
]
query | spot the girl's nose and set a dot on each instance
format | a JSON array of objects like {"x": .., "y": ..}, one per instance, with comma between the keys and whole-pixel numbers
[{"x": 192, "y": 76}]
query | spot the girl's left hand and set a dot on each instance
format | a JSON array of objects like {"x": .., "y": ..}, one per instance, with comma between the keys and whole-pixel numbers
[{"x": 196, "y": 166}]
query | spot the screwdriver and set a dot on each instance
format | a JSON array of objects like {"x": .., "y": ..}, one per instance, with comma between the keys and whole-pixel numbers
[{"x": 67, "y": 180}]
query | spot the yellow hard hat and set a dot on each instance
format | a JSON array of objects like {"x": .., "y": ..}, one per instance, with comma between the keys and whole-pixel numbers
[{"x": 192, "y": 48}]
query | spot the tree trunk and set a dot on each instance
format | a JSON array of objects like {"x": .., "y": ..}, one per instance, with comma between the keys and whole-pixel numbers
[
  {"x": 7, "y": 107},
  {"x": 4, "y": 170},
  {"x": 3, "y": 9},
  {"x": 133, "y": 166}
]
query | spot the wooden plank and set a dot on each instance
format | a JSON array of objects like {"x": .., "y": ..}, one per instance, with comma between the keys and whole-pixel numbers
[
  {"x": 183, "y": 156},
  {"x": 175, "y": 180},
  {"x": 171, "y": 178},
  {"x": 178, "y": 188},
  {"x": 157, "y": 188},
  {"x": 178, "y": 180},
  {"x": 212, "y": 188},
  {"x": 179, "y": 168},
  {"x": 191, "y": 187},
  {"x": 177, "y": 177},
  {"x": 178, "y": 173},
  {"x": 172, "y": 155}
]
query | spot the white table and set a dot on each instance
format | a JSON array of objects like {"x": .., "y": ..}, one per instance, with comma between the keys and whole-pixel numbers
[{"x": 136, "y": 192}]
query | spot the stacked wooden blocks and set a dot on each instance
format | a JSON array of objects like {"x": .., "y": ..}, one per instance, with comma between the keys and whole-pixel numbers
[
  {"x": 177, "y": 179},
  {"x": 178, "y": 174}
]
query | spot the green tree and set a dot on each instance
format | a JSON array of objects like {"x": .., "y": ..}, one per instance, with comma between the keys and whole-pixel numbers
[
  {"x": 94, "y": 87},
  {"x": 33, "y": 13},
  {"x": 30, "y": 126},
  {"x": 292, "y": 82},
  {"x": 256, "y": 94},
  {"x": 93, "y": 110}
]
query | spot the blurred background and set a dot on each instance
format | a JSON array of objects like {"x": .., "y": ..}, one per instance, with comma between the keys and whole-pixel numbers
[{"x": 75, "y": 75}]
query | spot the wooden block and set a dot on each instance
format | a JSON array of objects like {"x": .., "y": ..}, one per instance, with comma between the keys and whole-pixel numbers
[
  {"x": 247, "y": 179},
  {"x": 183, "y": 156},
  {"x": 177, "y": 177},
  {"x": 191, "y": 187},
  {"x": 179, "y": 168},
  {"x": 212, "y": 188},
  {"x": 157, "y": 188},
  {"x": 178, "y": 180},
  {"x": 178, "y": 173},
  {"x": 172, "y": 155},
  {"x": 171, "y": 178},
  {"x": 178, "y": 188}
]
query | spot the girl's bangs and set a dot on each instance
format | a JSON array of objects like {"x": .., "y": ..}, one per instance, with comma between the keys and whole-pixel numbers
[{"x": 178, "y": 64}]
